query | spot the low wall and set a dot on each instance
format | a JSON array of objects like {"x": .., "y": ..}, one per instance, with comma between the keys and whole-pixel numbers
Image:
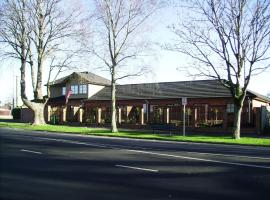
[
  {"x": 27, "y": 115},
  {"x": 5, "y": 114}
]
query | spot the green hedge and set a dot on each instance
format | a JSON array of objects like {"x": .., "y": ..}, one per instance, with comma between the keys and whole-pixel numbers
[{"x": 16, "y": 113}]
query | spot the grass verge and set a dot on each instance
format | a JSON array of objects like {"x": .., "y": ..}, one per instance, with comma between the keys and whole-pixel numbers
[{"x": 258, "y": 141}]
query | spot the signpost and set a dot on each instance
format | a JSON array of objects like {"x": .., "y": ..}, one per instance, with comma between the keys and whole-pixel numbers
[{"x": 184, "y": 103}]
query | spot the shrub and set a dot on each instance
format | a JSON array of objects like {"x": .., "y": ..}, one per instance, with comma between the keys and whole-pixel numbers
[{"x": 16, "y": 113}]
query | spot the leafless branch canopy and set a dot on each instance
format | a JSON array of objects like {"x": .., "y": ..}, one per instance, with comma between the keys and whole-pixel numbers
[
  {"x": 39, "y": 32},
  {"x": 119, "y": 24},
  {"x": 12, "y": 32},
  {"x": 228, "y": 39}
]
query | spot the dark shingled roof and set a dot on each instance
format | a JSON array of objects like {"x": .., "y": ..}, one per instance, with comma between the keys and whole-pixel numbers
[
  {"x": 165, "y": 90},
  {"x": 94, "y": 79},
  {"x": 168, "y": 90},
  {"x": 87, "y": 76}
]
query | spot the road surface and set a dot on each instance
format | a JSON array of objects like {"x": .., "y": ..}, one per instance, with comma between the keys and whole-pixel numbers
[{"x": 39, "y": 165}]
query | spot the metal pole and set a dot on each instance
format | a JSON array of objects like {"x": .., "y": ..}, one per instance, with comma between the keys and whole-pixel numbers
[
  {"x": 249, "y": 109},
  {"x": 17, "y": 91},
  {"x": 184, "y": 120},
  {"x": 13, "y": 103}
]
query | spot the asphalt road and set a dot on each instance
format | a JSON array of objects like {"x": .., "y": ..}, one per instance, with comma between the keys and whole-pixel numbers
[{"x": 40, "y": 165}]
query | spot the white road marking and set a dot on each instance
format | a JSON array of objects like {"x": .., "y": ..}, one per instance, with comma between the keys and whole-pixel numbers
[
  {"x": 228, "y": 155},
  {"x": 199, "y": 159},
  {"x": 143, "y": 148},
  {"x": 75, "y": 142},
  {"x": 149, "y": 149},
  {"x": 137, "y": 168},
  {"x": 29, "y": 151},
  {"x": 157, "y": 154}
]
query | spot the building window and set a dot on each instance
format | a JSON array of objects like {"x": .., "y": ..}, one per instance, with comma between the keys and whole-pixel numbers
[
  {"x": 74, "y": 89},
  {"x": 82, "y": 89},
  {"x": 230, "y": 108},
  {"x": 64, "y": 90}
]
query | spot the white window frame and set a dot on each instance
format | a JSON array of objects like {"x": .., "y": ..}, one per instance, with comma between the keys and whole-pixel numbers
[
  {"x": 83, "y": 89},
  {"x": 74, "y": 89},
  {"x": 230, "y": 108},
  {"x": 64, "y": 90}
]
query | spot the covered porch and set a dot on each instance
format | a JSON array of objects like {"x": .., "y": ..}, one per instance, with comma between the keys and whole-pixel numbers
[{"x": 147, "y": 112}]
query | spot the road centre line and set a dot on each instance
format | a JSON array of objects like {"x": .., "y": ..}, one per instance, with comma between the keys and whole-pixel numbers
[
  {"x": 154, "y": 149},
  {"x": 75, "y": 142},
  {"x": 29, "y": 151},
  {"x": 199, "y": 159},
  {"x": 156, "y": 154},
  {"x": 228, "y": 155},
  {"x": 143, "y": 148},
  {"x": 137, "y": 168}
]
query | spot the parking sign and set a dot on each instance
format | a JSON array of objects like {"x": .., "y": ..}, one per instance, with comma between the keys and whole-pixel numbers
[{"x": 184, "y": 101}]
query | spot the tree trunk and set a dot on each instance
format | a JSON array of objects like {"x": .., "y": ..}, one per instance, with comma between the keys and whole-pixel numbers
[
  {"x": 113, "y": 109},
  {"x": 237, "y": 120},
  {"x": 38, "y": 91},
  {"x": 38, "y": 109},
  {"x": 22, "y": 82},
  {"x": 31, "y": 63}
]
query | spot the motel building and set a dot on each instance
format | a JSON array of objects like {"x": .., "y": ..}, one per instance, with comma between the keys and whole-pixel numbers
[{"x": 209, "y": 105}]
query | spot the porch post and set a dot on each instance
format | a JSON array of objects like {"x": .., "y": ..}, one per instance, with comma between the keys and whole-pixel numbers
[
  {"x": 141, "y": 116},
  {"x": 167, "y": 115},
  {"x": 49, "y": 113},
  {"x": 74, "y": 111},
  {"x": 119, "y": 115},
  {"x": 128, "y": 111},
  {"x": 80, "y": 115},
  {"x": 98, "y": 115},
  {"x": 195, "y": 117},
  {"x": 64, "y": 114}
]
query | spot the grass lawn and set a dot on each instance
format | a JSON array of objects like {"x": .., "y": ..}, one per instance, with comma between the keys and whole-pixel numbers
[{"x": 258, "y": 141}]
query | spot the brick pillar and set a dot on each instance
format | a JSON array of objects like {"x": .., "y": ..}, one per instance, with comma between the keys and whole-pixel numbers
[
  {"x": 49, "y": 113},
  {"x": 141, "y": 116},
  {"x": 64, "y": 114},
  {"x": 206, "y": 113},
  {"x": 225, "y": 119},
  {"x": 98, "y": 115},
  {"x": 119, "y": 115},
  {"x": 258, "y": 120}
]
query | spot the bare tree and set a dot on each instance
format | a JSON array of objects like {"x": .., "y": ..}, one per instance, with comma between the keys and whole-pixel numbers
[
  {"x": 120, "y": 26},
  {"x": 228, "y": 40},
  {"x": 15, "y": 33},
  {"x": 35, "y": 31}
]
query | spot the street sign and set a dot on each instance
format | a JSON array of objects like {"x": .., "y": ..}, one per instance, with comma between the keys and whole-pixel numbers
[{"x": 184, "y": 101}]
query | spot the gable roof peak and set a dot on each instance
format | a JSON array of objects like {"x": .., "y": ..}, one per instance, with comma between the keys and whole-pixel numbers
[{"x": 88, "y": 77}]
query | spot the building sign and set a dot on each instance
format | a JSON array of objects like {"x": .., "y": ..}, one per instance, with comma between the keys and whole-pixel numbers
[{"x": 184, "y": 101}]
